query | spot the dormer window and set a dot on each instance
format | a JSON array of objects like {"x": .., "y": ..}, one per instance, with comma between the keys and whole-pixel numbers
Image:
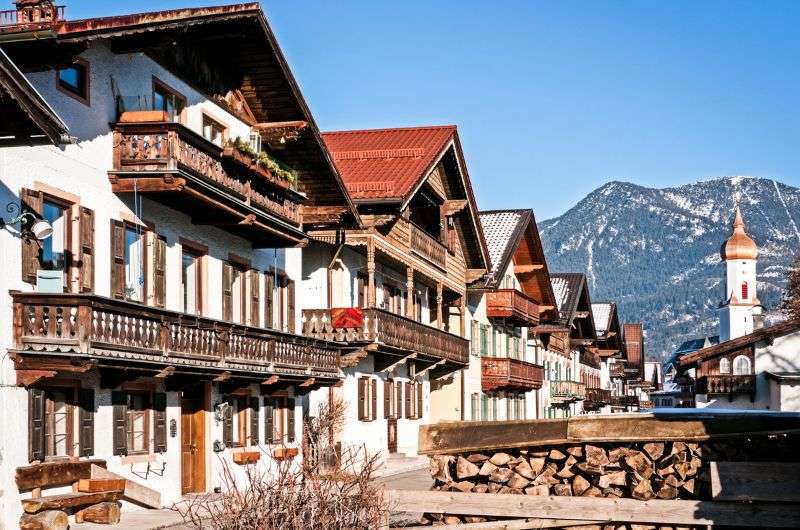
[{"x": 74, "y": 81}]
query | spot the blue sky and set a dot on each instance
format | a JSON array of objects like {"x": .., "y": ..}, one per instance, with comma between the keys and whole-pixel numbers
[{"x": 553, "y": 99}]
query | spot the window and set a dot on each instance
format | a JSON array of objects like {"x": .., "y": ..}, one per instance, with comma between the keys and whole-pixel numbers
[
  {"x": 137, "y": 425},
  {"x": 475, "y": 337},
  {"x": 367, "y": 399},
  {"x": 390, "y": 401},
  {"x": 234, "y": 292},
  {"x": 168, "y": 100},
  {"x": 741, "y": 365},
  {"x": 191, "y": 283},
  {"x": 134, "y": 263},
  {"x": 361, "y": 288},
  {"x": 474, "y": 404},
  {"x": 213, "y": 131},
  {"x": 392, "y": 298},
  {"x": 58, "y": 425},
  {"x": 724, "y": 366},
  {"x": 484, "y": 331},
  {"x": 74, "y": 80},
  {"x": 744, "y": 290},
  {"x": 279, "y": 422},
  {"x": 54, "y": 249},
  {"x": 484, "y": 407}
]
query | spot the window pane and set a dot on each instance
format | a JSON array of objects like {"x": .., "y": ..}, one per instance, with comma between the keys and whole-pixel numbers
[
  {"x": 134, "y": 264},
  {"x": 237, "y": 295},
  {"x": 73, "y": 79},
  {"x": 53, "y": 247},
  {"x": 189, "y": 283}
]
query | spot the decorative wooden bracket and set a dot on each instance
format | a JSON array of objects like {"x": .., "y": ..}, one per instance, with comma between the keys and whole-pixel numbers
[
  {"x": 166, "y": 372},
  {"x": 271, "y": 380},
  {"x": 224, "y": 376},
  {"x": 31, "y": 377},
  {"x": 351, "y": 360},
  {"x": 527, "y": 269},
  {"x": 384, "y": 365}
]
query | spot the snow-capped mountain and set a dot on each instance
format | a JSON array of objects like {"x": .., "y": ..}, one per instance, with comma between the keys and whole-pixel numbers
[{"x": 656, "y": 251}]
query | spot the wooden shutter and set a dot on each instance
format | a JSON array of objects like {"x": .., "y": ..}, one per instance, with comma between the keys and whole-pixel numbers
[
  {"x": 86, "y": 421},
  {"x": 409, "y": 411},
  {"x": 159, "y": 271},
  {"x": 36, "y": 410},
  {"x": 255, "y": 298},
  {"x": 86, "y": 250},
  {"x": 160, "y": 422},
  {"x": 475, "y": 337},
  {"x": 419, "y": 400},
  {"x": 362, "y": 390},
  {"x": 117, "y": 259},
  {"x": 290, "y": 419},
  {"x": 374, "y": 396},
  {"x": 399, "y": 400},
  {"x": 119, "y": 402},
  {"x": 227, "y": 423},
  {"x": 290, "y": 305},
  {"x": 361, "y": 287},
  {"x": 227, "y": 291},
  {"x": 253, "y": 421},
  {"x": 269, "y": 294},
  {"x": 269, "y": 420},
  {"x": 31, "y": 202},
  {"x": 387, "y": 396}
]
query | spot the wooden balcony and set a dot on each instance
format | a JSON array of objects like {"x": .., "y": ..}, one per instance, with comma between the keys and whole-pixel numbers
[
  {"x": 505, "y": 373},
  {"x": 427, "y": 247},
  {"x": 624, "y": 401},
  {"x": 726, "y": 384},
  {"x": 380, "y": 331},
  {"x": 116, "y": 333},
  {"x": 512, "y": 305},
  {"x": 567, "y": 391},
  {"x": 617, "y": 370},
  {"x": 171, "y": 164},
  {"x": 598, "y": 396}
]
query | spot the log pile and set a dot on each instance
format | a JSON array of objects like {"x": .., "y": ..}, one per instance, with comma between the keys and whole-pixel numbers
[{"x": 638, "y": 470}]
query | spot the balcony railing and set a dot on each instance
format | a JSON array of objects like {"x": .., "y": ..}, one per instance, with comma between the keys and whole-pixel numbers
[
  {"x": 387, "y": 329},
  {"x": 104, "y": 327},
  {"x": 624, "y": 401},
  {"x": 513, "y": 305},
  {"x": 427, "y": 247},
  {"x": 505, "y": 373},
  {"x": 566, "y": 391},
  {"x": 599, "y": 396},
  {"x": 13, "y": 19},
  {"x": 617, "y": 371},
  {"x": 147, "y": 148},
  {"x": 726, "y": 384}
]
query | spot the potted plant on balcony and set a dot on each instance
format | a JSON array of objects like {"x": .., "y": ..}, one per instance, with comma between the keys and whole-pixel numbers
[{"x": 242, "y": 153}]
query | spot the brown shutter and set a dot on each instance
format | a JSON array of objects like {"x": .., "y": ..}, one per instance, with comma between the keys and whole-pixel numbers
[
  {"x": 160, "y": 422},
  {"x": 119, "y": 402},
  {"x": 255, "y": 298},
  {"x": 290, "y": 419},
  {"x": 253, "y": 421},
  {"x": 419, "y": 400},
  {"x": 31, "y": 202},
  {"x": 86, "y": 421},
  {"x": 269, "y": 419},
  {"x": 269, "y": 293},
  {"x": 409, "y": 411},
  {"x": 117, "y": 259},
  {"x": 399, "y": 400},
  {"x": 36, "y": 410},
  {"x": 290, "y": 305},
  {"x": 387, "y": 396},
  {"x": 227, "y": 423},
  {"x": 361, "y": 286},
  {"x": 374, "y": 390},
  {"x": 362, "y": 390},
  {"x": 227, "y": 291},
  {"x": 159, "y": 271},
  {"x": 86, "y": 250}
]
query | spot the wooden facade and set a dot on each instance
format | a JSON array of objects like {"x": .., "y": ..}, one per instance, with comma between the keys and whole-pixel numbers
[{"x": 506, "y": 373}]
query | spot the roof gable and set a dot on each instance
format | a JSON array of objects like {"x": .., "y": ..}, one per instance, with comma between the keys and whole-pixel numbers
[
  {"x": 574, "y": 304},
  {"x": 782, "y": 328}
]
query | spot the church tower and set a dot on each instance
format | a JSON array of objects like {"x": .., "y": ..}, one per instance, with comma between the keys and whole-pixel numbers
[{"x": 741, "y": 305}]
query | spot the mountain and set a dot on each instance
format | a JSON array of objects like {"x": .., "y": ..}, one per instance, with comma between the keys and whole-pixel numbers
[{"x": 656, "y": 251}]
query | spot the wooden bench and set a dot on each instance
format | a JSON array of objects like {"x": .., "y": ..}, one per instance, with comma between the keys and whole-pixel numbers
[{"x": 91, "y": 499}]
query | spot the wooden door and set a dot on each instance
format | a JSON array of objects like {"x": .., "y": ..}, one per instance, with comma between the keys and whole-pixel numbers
[
  {"x": 391, "y": 434},
  {"x": 193, "y": 452}
]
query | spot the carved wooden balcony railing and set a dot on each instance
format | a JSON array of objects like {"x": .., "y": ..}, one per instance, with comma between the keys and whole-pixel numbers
[
  {"x": 513, "y": 306},
  {"x": 726, "y": 384},
  {"x": 181, "y": 168},
  {"x": 566, "y": 391},
  {"x": 427, "y": 247},
  {"x": 114, "y": 329},
  {"x": 30, "y": 16},
  {"x": 617, "y": 370},
  {"x": 599, "y": 396},
  {"x": 645, "y": 404},
  {"x": 505, "y": 373},
  {"x": 624, "y": 401},
  {"x": 388, "y": 330}
]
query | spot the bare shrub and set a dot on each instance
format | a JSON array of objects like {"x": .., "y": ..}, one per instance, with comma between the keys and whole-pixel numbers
[{"x": 287, "y": 495}]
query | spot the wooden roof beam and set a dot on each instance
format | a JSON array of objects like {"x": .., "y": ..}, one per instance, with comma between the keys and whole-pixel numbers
[{"x": 528, "y": 269}]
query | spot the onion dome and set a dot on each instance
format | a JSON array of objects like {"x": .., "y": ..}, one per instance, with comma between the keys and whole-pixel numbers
[{"x": 739, "y": 245}]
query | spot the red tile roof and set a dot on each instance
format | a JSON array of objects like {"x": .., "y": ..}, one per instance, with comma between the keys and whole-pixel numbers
[{"x": 386, "y": 163}]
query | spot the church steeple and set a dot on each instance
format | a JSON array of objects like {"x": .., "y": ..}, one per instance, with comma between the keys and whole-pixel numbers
[
  {"x": 739, "y": 253},
  {"x": 739, "y": 245}
]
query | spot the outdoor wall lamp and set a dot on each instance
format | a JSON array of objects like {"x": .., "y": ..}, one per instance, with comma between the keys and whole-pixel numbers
[{"x": 39, "y": 228}]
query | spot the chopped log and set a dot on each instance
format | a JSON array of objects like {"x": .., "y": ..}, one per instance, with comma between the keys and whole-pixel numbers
[
  {"x": 565, "y": 472},
  {"x": 537, "y": 464},
  {"x": 596, "y": 456},
  {"x": 494, "y": 487},
  {"x": 640, "y": 464},
  {"x": 51, "y": 474},
  {"x": 667, "y": 492},
  {"x": 46, "y": 520},
  {"x": 643, "y": 490},
  {"x": 500, "y": 459},
  {"x": 618, "y": 453},
  {"x": 68, "y": 500},
  {"x": 465, "y": 468},
  {"x": 480, "y": 488},
  {"x": 524, "y": 470},
  {"x": 540, "y": 490},
  {"x": 562, "y": 490},
  {"x": 557, "y": 455},
  {"x": 690, "y": 486},
  {"x": 477, "y": 458},
  {"x": 501, "y": 475},
  {"x": 618, "y": 478},
  {"x": 654, "y": 450},
  {"x": 587, "y": 469},
  {"x": 102, "y": 513},
  {"x": 486, "y": 469},
  {"x": 677, "y": 447},
  {"x": 593, "y": 492},
  {"x": 517, "y": 482},
  {"x": 451, "y": 519},
  {"x": 91, "y": 485},
  {"x": 580, "y": 485},
  {"x": 463, "y": 485},
  {"x": 576, "y": 451},
  {"x": 440, "y": 467}
]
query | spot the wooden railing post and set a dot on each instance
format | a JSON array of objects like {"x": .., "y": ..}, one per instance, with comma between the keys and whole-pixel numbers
[{"x": 84, "y": 326}]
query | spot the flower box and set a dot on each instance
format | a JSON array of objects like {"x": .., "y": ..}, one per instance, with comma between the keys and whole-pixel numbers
[
  {"x": 249, "y": 162},
  {"x": 246, "y": 457},
  {"x": 282, "y": 453}
]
